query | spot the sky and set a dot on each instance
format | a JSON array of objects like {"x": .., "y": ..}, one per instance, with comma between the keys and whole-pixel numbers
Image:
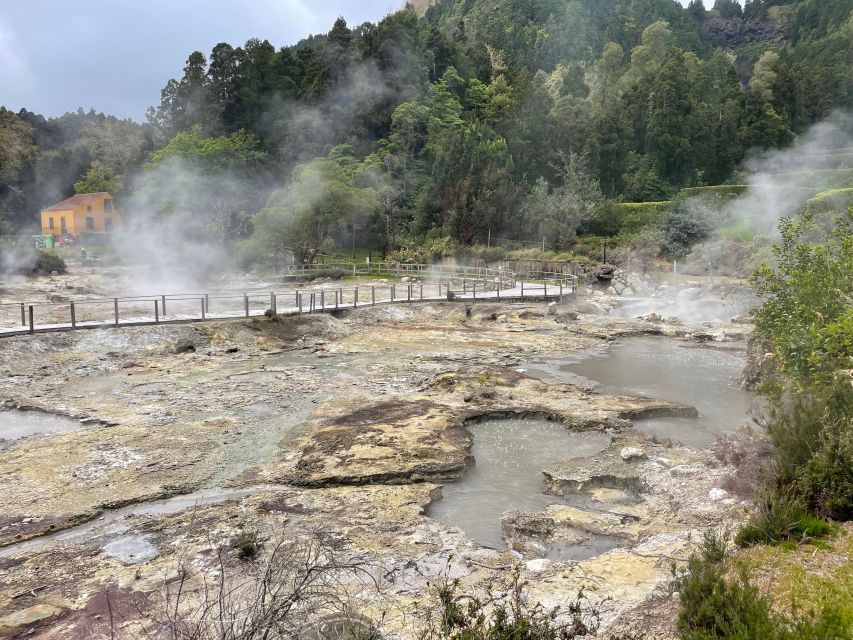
[{"x": 116, "y": 55}]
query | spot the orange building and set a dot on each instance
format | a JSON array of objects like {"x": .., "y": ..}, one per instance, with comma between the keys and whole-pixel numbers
[{"x": 84, "y": 213}]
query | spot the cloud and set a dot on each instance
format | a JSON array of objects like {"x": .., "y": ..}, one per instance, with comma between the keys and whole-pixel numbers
[
  {"x": 116, "y": 56},
  {"x": 14, "y": 69}
]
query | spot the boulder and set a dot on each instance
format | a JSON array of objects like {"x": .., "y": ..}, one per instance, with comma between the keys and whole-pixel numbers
[
  {"x": 539, "y": 565},
  {"x": 28, "y": 616},
  {"x": 718, "y": 494},
  {"x": 629, "y": 454}
]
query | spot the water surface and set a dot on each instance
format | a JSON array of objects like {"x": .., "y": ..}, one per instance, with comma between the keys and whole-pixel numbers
[
  {"x": 16, "y": 424},
  {"x": 666, "y": 369},
  {"x": 509, "y": 458}
]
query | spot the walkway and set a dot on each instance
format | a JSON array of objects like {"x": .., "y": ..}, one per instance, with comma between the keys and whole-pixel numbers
[{"x": 21, "y": 318}]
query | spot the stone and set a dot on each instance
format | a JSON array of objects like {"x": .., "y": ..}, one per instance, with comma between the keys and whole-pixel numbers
[
  {"x": 539, "y": 565},
  {"x": 664, "y": 463},
  {"x": 28, "y": 616},
  {"x": 184, "y": 346},
  {"x": 718, "y": 494},
  {"x": 612, "y": 291},
  {"x": 683, "y": 470},
  {"x": 632, "y": 453}
]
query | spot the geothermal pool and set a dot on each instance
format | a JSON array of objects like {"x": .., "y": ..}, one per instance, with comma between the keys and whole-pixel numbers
[
  {"x": 16, "y": 424},
  {"x": 666, "y": 369},
  {"x": 509, "y": 458}
]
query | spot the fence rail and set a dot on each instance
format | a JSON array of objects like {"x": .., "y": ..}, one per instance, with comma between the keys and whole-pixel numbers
[
  {"x": 461, "y": 285},
  {"x": 505, "y": 277}
]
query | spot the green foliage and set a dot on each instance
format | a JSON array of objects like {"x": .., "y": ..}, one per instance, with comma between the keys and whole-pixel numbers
[
  {"x": 46, "y": 262},
  {"x": 638, "y": 215},
  {"x": 463, "y": 617},
  {"x": 431, "y": 251},
  {"x": 781, "y": 518},
  {"x": 807, "y": 319},
  {"x": 98, "y": 178},
  {"x": 683, "y": 227},
  {"x": 807, "y": 314},
  {"x": 300, "y": 219},
  {"x": 236, "y": 151},
  {"x": 716, "y": 604},
  {"x": 247, "y": 544}
]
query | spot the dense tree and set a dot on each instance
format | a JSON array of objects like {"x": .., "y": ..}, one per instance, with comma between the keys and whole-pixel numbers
[
  {"x": 299, "y": 219},
  {"x": 453, "y": 119},
  {"x": 16, "y": 150}
]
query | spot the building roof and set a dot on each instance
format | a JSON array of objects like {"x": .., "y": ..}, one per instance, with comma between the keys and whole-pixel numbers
[{"x": 74, "y": 201}]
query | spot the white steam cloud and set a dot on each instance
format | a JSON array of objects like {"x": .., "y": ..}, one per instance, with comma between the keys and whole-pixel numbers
[{"x": 781, "y": 182}]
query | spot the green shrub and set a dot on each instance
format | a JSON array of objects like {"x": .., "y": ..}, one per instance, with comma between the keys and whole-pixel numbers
[
  {"x": 713, "y": 606},
  {"x": 463, "y": 617},
  {"x": 47, "y": 262},
  {"x": 717, "y": 605},
  {"x": 247, "y": 544},
  {"x": 782, "y": 519},
  {"x": 636, "y": 215}
]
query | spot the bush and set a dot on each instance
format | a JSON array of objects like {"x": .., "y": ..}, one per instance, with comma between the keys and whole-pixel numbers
[
  {"x": 715, "y": 605},
  {"x": 247, "y": 544},
  {"x": 782, "y": 519},
  {"x": 637, "y": 215},
  {"x": 463, "y": 617},
  {"x": 47, "y": 262},
  {"x": 813, "y": 437}
]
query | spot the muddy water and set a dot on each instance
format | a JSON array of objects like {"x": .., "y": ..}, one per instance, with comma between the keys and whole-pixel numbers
[
  {"x": 666, "y": 369},
  {"x": 15, "y": 424},
  {"x": 510, "y": 456}
]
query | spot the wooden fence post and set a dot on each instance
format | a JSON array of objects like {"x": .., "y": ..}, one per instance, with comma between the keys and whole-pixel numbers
[
  {"x": 32, "y": 321},
  {"x": 115, "y": 310},
  {"x": 163, "y": 299},
  {"x": 203, "y": 305},
  {"x": 246, "y": 303},
  {"x": 73, "y": 316},
  {"x": 273, "y": 304},
  {"x": 156, "y": 311},
  {"x": 23, "y": 315}
]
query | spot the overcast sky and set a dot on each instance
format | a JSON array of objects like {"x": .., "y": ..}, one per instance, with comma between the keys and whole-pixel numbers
[{"x": 116, "y": 55}]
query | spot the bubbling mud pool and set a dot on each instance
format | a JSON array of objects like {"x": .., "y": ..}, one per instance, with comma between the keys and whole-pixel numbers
[
  {"x": 665, "y": 369},
  {"x": 509, "y": 455}
]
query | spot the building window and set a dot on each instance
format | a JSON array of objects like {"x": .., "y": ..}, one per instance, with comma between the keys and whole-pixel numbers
[
  {"x": 63, "y": 228},
  {"x": 50, "y": 224},
  {"x": 108, "y": 225},
  {"x": 88, "y": 208},
  {"x": 108, "y": 206},
  {"x": 90, "y": 223}
]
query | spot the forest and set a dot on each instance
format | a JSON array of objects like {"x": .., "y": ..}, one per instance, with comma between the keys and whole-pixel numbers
[{"x": 503, "y": 123}]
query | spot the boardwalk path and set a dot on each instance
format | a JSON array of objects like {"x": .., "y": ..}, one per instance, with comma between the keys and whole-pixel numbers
[{"x": 454, "y": 284}]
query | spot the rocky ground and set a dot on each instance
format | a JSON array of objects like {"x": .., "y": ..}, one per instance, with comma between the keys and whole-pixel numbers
[{"x": 341, "y": 426}]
